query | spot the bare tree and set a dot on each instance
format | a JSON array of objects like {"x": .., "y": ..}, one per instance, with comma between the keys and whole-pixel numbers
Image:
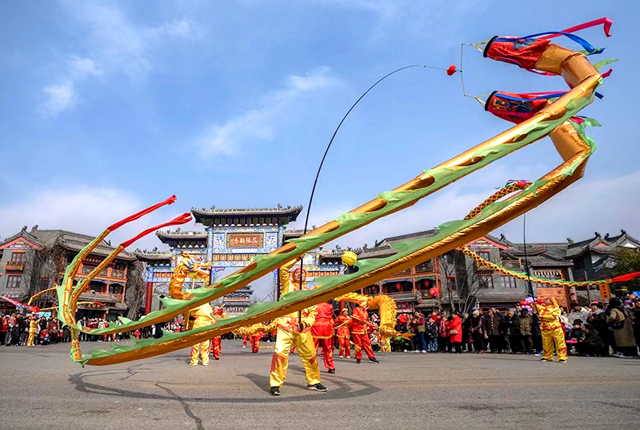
[
  {"x": 461, "y": 283},
  {"x": 136, "y": 288},
  {"x": 42, "y": 269}
]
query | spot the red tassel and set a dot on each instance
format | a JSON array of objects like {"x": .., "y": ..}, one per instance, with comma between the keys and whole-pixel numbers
[
  {"x": 142, "y": 213},
  {"x": 182, "y": 219}
]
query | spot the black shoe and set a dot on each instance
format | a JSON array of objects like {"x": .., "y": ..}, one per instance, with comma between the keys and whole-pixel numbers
[
  {"x": 217, "y": 358},
  {"x": 275, "y": 391},
  {"x": 317, "y": 387},
  {"x": 373, "y": 360},
  {"x": 357, "y": 360},
  {"x": 331, "y": 371}
]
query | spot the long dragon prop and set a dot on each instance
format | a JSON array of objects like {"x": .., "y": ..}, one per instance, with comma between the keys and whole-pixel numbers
[{"x": 555, "y": 118}]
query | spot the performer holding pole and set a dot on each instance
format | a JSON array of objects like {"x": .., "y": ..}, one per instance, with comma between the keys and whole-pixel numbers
[
  {"x": 255, "y": 342},
  {"x": 216, "y": 342},
  {"x": 343, "y": 334},
  {"x": 359, "y": 329},
  {"x": 33, "y": 330},
  {"x": 202, "y": 316},
  {"x": 322, "y": 333},
  {"x": 294, "y": 331},
  {"x": 552, "y": 331}
]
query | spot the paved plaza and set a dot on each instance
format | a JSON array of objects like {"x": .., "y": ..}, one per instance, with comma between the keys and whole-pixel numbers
[{"x": 42, "y": 388}]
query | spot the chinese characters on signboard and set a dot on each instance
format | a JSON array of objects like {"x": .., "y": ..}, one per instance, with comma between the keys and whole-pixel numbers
[{"x": 245, "y": 240}]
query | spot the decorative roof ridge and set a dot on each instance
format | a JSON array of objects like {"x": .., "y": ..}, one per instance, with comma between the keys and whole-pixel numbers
[{"x": 278, "y": 209}]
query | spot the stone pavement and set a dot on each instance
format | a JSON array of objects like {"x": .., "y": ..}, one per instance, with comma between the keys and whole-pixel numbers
[{"x": 42, "y": 388}]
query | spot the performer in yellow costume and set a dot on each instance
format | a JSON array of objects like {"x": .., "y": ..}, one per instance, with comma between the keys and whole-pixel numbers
[
  {"x": 203, "y": 316},
  {"x": 33, "y": 329},
  {"x": 552, "y": 331},
  {"x": 290, "y": 334}
]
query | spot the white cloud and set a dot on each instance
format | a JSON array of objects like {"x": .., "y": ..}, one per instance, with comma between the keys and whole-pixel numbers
[
  {"x": 114, "y": 45},
  {"x": 81, "y": 67},
  {"x": 432, "y": 19},
  {"x": 603, "y": 205},
  {"x": 262, "y": 122},
  {"x": 59, "y": 97},
  {"x": 87, "y": 211}
]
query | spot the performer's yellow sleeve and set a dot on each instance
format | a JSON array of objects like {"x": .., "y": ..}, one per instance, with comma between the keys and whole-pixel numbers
[
  {"x": 310, "y": 317},
  {"x": 285, "y": 277}
]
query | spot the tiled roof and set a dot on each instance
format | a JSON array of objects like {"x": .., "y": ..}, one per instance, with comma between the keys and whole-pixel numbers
[
  {"x": 410, "y": 236},
  {"x": 74, "y": 242},
  {"x": 337, "y": 253},
  {"x": 153, "y": 255},
  {"x": 377, "y": 252},
  {"x": 26, "y": 235},
  {"x": 102, "y": 298},
  {"x": 403, "y": 298},
  {"x": 177, "y": 234},
  {"x": 289, "y": 234}
]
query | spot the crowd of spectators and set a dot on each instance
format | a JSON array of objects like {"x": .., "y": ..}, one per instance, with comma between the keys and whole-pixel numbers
[{"x": 598, "y": 330}]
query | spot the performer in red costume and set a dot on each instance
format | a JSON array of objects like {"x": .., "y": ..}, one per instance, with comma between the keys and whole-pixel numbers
[
  {"x": 322, "y": 333},
  {"x": 359, "y": 330},
  {"x": 216, "y": 342},
  {"x": 255, "y": 342},
  {"x": 342, "y": 332}
]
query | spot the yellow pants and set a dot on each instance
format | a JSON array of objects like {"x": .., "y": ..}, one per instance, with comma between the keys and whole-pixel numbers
[
  {"x": 548, "y": 339},
  {"x": 31, "y": 338},
  {"x": 306, "y": 350},
  {"x": 204, "y": 353}
]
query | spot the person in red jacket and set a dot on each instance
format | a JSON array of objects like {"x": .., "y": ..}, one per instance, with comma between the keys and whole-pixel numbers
[
  {"x": 342, "y": 332},
  {"x": 454, "y": 325},
  {"x": 322, "y": 333},
  {"x": 359, "y": 324}
]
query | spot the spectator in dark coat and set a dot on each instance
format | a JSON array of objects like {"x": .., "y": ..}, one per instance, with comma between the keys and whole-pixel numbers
[
  {"x": 478, "y": 331},
  {"x": 493, "y": 326},
  {"x": 592, "y": 344},
  {"x": 526, "y": 339}
]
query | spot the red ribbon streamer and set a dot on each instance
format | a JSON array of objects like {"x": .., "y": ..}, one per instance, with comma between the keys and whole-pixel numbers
[
  {"x": 142, "y": 213},
  {"x": 182, "y": 219}
]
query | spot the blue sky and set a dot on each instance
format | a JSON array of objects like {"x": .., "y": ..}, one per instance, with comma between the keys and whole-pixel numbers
[{"x": 108, "y": 107}]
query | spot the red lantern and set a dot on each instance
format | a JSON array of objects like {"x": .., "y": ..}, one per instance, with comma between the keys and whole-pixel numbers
[
  {"x": 398, "y": 286},
  {"x": 433, "y": 292},
  {"x": 451, "y": 70}
]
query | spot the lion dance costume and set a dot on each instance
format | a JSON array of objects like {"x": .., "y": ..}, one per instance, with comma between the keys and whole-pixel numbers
[
  {"x": 552, "y": 331},
  {"x": 322, "y": 333},
  {"x": 203, "y": 315},
  {"x": 289, "y": 334}
]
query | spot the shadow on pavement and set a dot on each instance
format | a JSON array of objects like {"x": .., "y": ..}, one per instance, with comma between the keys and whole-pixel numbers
[{"x": 346, "y": 388}]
